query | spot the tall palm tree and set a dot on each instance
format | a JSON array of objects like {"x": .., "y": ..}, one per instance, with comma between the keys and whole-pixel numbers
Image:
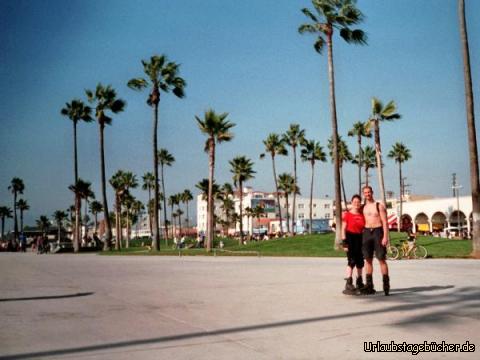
[
  {"x": 217, "y": 129},
  {"x": 76, "y": 111},
  {"x": 294, "y": 137},
  {"x": 22, "y": 207},
  {"x": 149, "y": 184},
  {"x": 186, "y": 197},
  {"x": 359, "y": 130},
  {"x": 163, "y": 75},
  {"x": 79, "y": 188},
  {"x": 44, "y": 224},
  {"x": 331, "y": 15},
  {"x": 242, "y": 170},
  {"x": 165, "y": 159},
  {"x": 286, "y": 183},
  {"x": 312, "y": 152},
  {"x": 344, "y": 155},
  {"x": 16, "y": 187},
  {"x": 381, "y": 113},
  {"x": 96, "y": 208},
  {"x": 60, "y": 216},
  {"x": 105, "y": 100},
  {"x": 274, "y": 145},
  {"x": 472, "y": 137},
  {"x": 400, "y": 153},
  {"x": 5, "y": 212}
]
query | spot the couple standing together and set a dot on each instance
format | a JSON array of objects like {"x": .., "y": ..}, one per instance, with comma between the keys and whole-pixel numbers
[{"x": 365, "y": 233}]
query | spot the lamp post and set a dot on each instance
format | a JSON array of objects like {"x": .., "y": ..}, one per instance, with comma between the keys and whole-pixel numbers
[{"x": 456, "y": 187}]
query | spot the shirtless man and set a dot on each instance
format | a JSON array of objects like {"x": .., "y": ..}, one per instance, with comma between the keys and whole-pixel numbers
[{"x": 375, "y": 240}]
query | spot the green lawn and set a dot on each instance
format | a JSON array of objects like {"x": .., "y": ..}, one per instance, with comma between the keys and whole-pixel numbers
[{"x": 303, "y": 246}]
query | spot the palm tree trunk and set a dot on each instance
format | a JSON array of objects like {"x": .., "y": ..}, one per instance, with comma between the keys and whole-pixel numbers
[
  {"x": 21, "y": 220},
  {"x": 399, "y": 219},
  {"x": 108, "y": 226},
  {"x": 156, "y": 232},
  {"x": 276, "y": 190},
  {"x": 360, "y": 159},
  {"x": 210, "y": 229},
  {"x": 241, "y": 212},
  {"x": 311, "y": 198},
  {"x": 96, "y": 222},
  {"x": 128, "y": 230},
  {"x": 3, "y": 226},
  {"x": 75, "y": 159},
  {"x": 76, "y": 240},
  {"x": 288, "y": 215},
  {"x": 366, "y": 176},
  {"x": 179, "y": 223},
  {"x": 174, "y": 233},
  {"x": 294, "y": 226},
  {"x": 118, "y": 226},
  {"x": 188, "y": 223},
  {"x": 149, "y": 212},
  {"x": 378, "y": 153},
  {"x": 343, "y": 186},
  {"x": 15, "y": 226},
  {"x": 336, "y": 162},
  {"x": 59, "y": 234},
  {"x": 472, "y": 139},
  {"x": 164, "y": 207}
]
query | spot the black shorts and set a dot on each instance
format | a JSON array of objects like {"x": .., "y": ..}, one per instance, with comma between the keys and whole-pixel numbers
[
  {"x": 372, "y": 242},
  {"x": 354, "y": 253}
]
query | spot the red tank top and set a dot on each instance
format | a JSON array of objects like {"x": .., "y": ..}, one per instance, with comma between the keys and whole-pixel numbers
[{"x": 355, "y": 222}]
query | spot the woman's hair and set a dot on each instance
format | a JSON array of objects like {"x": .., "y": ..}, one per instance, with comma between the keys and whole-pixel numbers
[{"x": 356, "y": 196}]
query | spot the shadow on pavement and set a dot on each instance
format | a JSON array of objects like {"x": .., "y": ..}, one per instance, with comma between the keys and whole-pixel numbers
[
  {"x": 47, "y": 297},
  {"x": 459, "y": 302}
]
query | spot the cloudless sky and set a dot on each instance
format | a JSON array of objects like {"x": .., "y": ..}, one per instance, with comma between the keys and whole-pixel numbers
[{"x": 241, "y": 57}]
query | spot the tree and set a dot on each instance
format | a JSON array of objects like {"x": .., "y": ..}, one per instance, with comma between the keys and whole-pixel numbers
[
  {"x": 5, "y": 212},
  {"x": 87, "y": 193},
  {"x": 359, "y": 130},
  {"x": 312, "y": 152},
  {"x": 172, "y": 201},
  {"x": 331, "y": 15},
  {"x": 471, "y": 128},
  {"x": 16, "y": 187},
  {"x": 294, "y": 137},
  {"x": 96, "y": 208},
  {"x": 23, "y": 206},
  {"x": 186, "y": 197},
  {"x": 368, "y": 161},
  {"x": 274, "y": 145},
  {"x": 105, "y": 99},
  {"x": 179, "y": 213},
  {"x": 217, "y": 129},
  {"x": 128, "y": 202},
  {"x": 137, "y": 210},
  {"x": 161, "y": 75},
  {"x": 400, "y": 153},
  {"x": 60, "y": 216},
  {"x": 149, "y": 184},
  {"x": 286, "y": 183},
  {"x": 242, "y": 170},
  {"x": 344, "y": 155},
  {"x": 44, "y": 224},
  {"x": 381, "y": 113},
  {"x": 165, "y": 159},
  {"x": 79, "y": 188}
]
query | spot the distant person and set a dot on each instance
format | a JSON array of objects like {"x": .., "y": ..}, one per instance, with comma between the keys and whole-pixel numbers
[
  {"x": 23, "y": 242},
  {"x": 353, "y": 223},
  {"x": 375, "y": 240}
]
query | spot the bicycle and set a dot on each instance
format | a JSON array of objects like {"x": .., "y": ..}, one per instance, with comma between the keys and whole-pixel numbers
[{"x": 416, "y": 252}]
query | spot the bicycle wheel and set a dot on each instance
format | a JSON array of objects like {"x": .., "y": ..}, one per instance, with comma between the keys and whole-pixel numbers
[
  {"x": 420, "y": 252},
  {"x": 392, "y": 253}
]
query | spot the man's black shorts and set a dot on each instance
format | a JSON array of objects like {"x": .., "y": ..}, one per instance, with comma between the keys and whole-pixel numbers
[
  {"x": 372, "y": 242},
  {"x": 354, "y": 253}
]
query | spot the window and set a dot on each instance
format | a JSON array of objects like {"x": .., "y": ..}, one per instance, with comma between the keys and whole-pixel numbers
[
  {"x": 314, "y": 205},
  {"x": 327, "y": 216},
  {"x": 314, "y": 215},
  {"x": 301, "y": 216},
  {"x": 327, "y": 206},
  {"x": 301, "y": 206}
]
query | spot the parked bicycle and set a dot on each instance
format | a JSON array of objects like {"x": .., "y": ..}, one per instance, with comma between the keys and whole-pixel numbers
[{"x": 406, "y": 250}]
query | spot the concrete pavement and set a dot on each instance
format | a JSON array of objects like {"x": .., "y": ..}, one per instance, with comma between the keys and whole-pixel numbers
[{"x": 141, "y": 307}]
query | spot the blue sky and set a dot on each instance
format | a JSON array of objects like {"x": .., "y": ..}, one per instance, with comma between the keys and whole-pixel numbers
[{"x": 241, "y": 57}]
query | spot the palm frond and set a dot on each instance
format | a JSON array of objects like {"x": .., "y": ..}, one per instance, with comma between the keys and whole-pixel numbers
[
  {"x": 319, "y": 45},
  {"x": 309, "y": 14},
  {"x": 307, "y": 28},
  {"x": 137, "y": 84}
]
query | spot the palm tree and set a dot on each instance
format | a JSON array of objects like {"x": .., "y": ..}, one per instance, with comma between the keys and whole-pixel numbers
[
  {"x": 165, "y": 159},
  {"x": 60, "y": 216},
  {"x": 217, "y": 129},
  {"x": 331, "y": 15},
  {"x": 172, "y": 200},
  {"x": 286, "y": 183},
  {"x": 312, "y": 152},
  {"x": 368, "y": 161},
  {"x": 137, "y": 210},
  {"x": 359, "y": 130},
  {"x": 472, "y": 137},
  {"x": 161, "y": 75},
  {"x": 79, "y": 188},
  {"x": 381, "y": 113},
  {"x": 343, "y": 156},
  {"x": 149, "y": 184},
  {"x": 249, "y": 215},
  {"x": 76, "y": 111},
  {"x": 186, "y": 197},
  {"x": 275, "y": 146},
  {"x": 87, "y": 193},
  {"x": 128, "y": 202},
  {"x": 179, "y": 213},
  {"x": 400, "y": 153},
  {"x": 95, "y": 208},
  {"x": 43, "y": 224},
  {"x": 23, "y": 206},
  {"x": 294, "y": 137},
  {"x": 5, "y": 212},
  {"x": 242, "y": 170},
  {"x": 16, "y": 187},
  {"x": 105, "y": 99}
]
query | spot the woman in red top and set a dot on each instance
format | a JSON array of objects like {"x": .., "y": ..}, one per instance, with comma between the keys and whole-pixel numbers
[{"x": 353, "y": 223}]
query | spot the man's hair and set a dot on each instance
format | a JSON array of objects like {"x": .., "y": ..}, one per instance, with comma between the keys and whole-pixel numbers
[{"x": 368, "y": 187}]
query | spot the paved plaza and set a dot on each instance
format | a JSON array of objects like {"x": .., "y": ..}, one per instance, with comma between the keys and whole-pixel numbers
[{"x": 143, "y": 307}]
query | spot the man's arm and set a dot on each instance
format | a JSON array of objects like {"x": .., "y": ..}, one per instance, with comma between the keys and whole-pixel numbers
[{"x": 383, "y": 218}]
